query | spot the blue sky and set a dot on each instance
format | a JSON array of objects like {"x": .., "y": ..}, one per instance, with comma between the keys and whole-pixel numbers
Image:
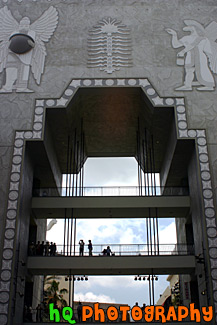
[{"x": 120, "y": 289}]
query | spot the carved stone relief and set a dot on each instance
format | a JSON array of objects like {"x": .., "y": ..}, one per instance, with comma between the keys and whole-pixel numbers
[
  {"x": 109, "y": 46},
  {"x": 198, "y": 57},
  {"x": 22, "y": 46}
]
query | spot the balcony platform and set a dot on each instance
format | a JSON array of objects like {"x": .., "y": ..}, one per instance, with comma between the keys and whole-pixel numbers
[
  {"x": 111, "y": 207},
  {"x": 111, "y": 265}
]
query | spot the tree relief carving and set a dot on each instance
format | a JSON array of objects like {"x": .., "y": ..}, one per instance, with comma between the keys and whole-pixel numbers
[{"x": 109, "y": 46}]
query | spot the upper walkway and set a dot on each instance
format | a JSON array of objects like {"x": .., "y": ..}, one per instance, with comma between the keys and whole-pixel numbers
[
  {"x": 112, "y": 191},
  {"x": 111, "y": 265},
  {"x": 117, "y": 250},
  {"x": 111, "y": 206}
]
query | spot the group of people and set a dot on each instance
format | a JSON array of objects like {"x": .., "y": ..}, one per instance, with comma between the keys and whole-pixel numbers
[
  {"x": 81, "y": 247},
  {"x": 33, "y": 315},
  {"x": 106, "y": 251},
  {"x": 42, "y": 249},
  {"x": 49, "y": 249}
]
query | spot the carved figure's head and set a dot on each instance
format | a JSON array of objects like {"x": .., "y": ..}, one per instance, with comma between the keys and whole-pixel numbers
[{"x": 24, "y": 24}]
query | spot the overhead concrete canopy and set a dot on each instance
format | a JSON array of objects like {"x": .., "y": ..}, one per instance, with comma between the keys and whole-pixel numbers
[
  {"x": 110, "y": 119},
  {"x": 110, "y": 123}
]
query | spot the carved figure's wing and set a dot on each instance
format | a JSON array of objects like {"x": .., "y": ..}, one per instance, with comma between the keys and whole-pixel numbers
[
  {"x": 211, "y": 31},
  {"x": 38, "y": 59},
  {"x": 46, "y": 24},
  {"x": 8, "y": 25},
  {"x": 44, "y": 28},
  {"x": 211, "y": 52},
  {"x": 4, "y": 46}
]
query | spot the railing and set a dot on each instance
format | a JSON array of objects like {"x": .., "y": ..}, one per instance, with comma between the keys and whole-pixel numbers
[
  {"x": 111, "y": 191},
  {"x": 120, "y": 250}
]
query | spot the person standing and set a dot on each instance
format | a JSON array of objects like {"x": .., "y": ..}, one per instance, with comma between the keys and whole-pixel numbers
[
  {"x": 54, "y": 249},
  {"x": 32, "y": 249},
  {"x": 47, "y": 248},
  {"x": 108, "y": 251},
  {"x": 51, "y": 249},
  {"x": 29, "y": 314},
  {"x": 38, "y": 248},
  {"x": 39, "y": 313},
  {"x": 42, "y": 248},
  {"x": 90, "y": 247},
  {"x": 104, "y": 252},
  {"x": 79, "y": 311},
  {"x": 81, "y": 247}
]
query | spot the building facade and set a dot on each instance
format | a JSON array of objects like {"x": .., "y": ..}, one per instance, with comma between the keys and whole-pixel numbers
[{"x": 104, "y": 78}]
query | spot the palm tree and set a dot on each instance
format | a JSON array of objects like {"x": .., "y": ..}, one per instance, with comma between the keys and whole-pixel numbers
[{"x": 52, "y": 294}]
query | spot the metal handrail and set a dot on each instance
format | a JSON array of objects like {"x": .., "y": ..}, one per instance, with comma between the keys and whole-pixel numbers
[
  {"x": 111, "y": 191},
  {"x": 124, "y": 250}
]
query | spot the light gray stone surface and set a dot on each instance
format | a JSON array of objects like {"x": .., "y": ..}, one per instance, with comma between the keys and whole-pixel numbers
[{"x": 153, "y": 58}]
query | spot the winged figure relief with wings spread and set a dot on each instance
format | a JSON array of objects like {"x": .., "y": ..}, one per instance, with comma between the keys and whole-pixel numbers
[
  {"x": 199, "y": 55},
  {"x": 22, "y": 46}
]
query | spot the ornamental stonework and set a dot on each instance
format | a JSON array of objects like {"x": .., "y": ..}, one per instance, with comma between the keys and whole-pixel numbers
[{"x": 109, "y": 46}]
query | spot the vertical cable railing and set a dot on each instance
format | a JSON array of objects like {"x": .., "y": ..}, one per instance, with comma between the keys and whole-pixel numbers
[
  {"x": 152, "y": 279},
  {"x": 153, "y": 159},
  {"x": 138, "y": 160},
  {"x": 74, "y": 234},
  {"x": 150, "y": 229},
  {"x": 83, "y": 157},
  {"x": 74, "y": 183},
  {"x": 149, "y": 286},
  {"x": 71, "y": 231},
  {"x": 70, "y": 172},
  {"x": 157, "y": 230},
  {"x": 64, "y": 242},
  {"x": 146, "y": 164},
  {"x": 74, "y": 162}
]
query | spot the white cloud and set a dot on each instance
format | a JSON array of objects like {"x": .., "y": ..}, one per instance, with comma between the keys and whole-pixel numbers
[
  {"x": 114, "y": 231},
  {"x": 167, "y": 235},
  {"x": 110, "y": 282},
  {"x": 111, "y": 172},
  {"x": 119, "y": 289},
  {"x": 91, "y": 297}
]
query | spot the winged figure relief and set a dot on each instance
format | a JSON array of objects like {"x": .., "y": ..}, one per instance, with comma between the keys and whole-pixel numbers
[
  {"x": 22, "y": 46},
  {"x": 199, "y": 56}
]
